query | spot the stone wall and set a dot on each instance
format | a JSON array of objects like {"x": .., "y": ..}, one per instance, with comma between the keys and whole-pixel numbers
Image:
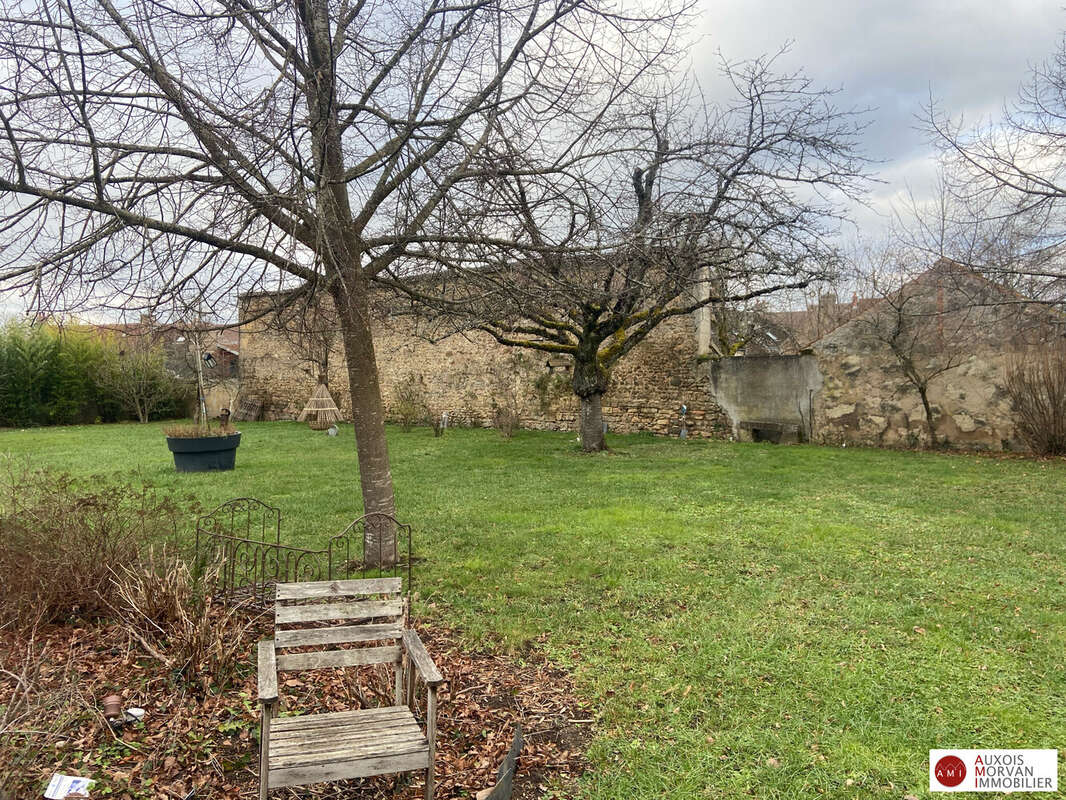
[
  {"x": 866, "y": 397},
  {"x": 465, "y": 375},
  {"x": 860, "y": 395},
  {"x": 219, "y": 395}
]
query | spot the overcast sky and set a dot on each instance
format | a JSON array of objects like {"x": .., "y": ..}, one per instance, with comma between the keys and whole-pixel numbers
[
  {"x": 887, "y": 55},
  {"x": 971, "y": 54}
]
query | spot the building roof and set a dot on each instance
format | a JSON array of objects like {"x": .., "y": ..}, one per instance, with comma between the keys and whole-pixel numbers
[{"x": 228, "y": 339}]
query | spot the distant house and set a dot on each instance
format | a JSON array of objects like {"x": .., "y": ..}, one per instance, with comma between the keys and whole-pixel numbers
[
  {"x": 807, "y": 325},
  {"x": 223, "y": 346}
]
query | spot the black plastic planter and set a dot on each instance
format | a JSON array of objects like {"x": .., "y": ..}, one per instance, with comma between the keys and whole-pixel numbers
[{"x": 205, "y": 453}]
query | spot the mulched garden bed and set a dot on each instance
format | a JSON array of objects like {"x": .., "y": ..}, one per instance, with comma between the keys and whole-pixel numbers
[{"x": 197, "y": 743}]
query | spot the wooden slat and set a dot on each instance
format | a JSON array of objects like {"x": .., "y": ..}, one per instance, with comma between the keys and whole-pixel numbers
[
  {"x": 345, "y": 751},
  {"x": 338, "y": 658},
  {"x": 394, "y": 740},
  {"x": 423, "y": 663},
  {"x": 268, "y": 673},
  {"x": 349, "y": 588},
  {"x": 340, "y": 718},
  {"x": 336, "y": 635},
  {"x": 393, "y": 729},
  {"x": 384, "y": 765},
  {"x": 387, "y": 726},
  {"x": 323, "y": 612}
]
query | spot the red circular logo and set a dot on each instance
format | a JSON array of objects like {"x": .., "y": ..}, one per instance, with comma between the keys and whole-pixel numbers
[{"x": 950, "y": 771}]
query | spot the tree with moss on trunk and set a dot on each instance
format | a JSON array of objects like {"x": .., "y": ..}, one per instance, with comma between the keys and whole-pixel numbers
[{"x": 665, "y": 207}]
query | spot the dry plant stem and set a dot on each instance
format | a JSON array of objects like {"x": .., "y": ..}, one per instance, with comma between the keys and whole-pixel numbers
[
  {"x": 25, "y": 681},
  {"x": 104, "y": 723}
]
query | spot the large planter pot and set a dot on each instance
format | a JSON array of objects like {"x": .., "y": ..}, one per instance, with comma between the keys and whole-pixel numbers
[{"x": 204, "y": 453}]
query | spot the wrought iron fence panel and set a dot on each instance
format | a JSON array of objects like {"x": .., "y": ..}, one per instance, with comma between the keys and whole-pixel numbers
[{"x": 244, "y": 537}]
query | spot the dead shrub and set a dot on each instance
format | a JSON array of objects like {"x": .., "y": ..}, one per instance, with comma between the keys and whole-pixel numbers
[
  {"x": 410, "y": 404},
  {"x": 437, "y": 420},
  {"x": 44, "y": 700},
  {"x": 504, "y": 417},
  {"x": 506, "y": 403},
  {"x": 59, "y": 542},
  {"x": 1036, "y": 383},
  {"x": 164, "y": 604}
]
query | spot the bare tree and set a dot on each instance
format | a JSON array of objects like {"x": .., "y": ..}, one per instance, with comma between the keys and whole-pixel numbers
[
  {"x": 665, "y": 208},
  {"x": 913, "y": 332},
  {"x": 976, "y": 230},
  {"x": 139, "y": 378},
  {"x": 161, "y": 153},
  {"x": 928, "y": 318},
  {"x": 1003, "y": 189}
]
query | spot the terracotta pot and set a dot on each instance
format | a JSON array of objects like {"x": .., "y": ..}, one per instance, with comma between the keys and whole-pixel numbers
[{"x": 112, "y": 706}]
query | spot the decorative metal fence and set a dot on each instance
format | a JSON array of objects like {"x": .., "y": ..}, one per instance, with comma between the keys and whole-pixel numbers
[{"x": 243, "y": 536}]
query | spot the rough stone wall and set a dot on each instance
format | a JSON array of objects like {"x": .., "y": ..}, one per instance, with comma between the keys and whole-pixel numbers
[
  {"x": 863, "y": 398},
  {"x": 466, "y": 374},
  {"x": 867, "y": 399}
]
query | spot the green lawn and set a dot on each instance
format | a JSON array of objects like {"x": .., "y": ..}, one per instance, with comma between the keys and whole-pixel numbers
[{"x": 746, "y": 620}]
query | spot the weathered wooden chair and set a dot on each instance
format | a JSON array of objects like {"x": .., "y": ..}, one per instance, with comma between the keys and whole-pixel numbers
[{"x": 335, "y": 746}]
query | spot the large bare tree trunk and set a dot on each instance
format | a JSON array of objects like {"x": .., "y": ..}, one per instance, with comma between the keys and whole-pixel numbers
[
  {"x": 590, "y": 382},
  {"x": 590, "y": 424},
  {"x": 368, "y": 416}
]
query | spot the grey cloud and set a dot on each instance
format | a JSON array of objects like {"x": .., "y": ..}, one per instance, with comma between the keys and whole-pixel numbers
[{"x": 888, "y": 56}]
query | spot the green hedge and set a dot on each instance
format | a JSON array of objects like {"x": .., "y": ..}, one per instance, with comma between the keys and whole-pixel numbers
[{"x": 50, "y": 376}]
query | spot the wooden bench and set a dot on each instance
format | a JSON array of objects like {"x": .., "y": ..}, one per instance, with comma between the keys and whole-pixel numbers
[{"x": 314, "y": 748}]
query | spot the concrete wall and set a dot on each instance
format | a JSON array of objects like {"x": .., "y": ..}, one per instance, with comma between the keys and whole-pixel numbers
[
  {"x": 464, "y": 375},
  {"x": 776, "y": 389}
]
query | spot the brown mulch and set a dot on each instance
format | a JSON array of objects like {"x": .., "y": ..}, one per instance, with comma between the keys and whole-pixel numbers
[{"x": 196, "y": 743}]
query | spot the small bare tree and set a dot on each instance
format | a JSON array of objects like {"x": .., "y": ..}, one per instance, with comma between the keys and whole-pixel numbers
[
  {"x": 926, "y": 318},
  {"x": 139, "y": 378},
  {"x": 409, "y": 403}
]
